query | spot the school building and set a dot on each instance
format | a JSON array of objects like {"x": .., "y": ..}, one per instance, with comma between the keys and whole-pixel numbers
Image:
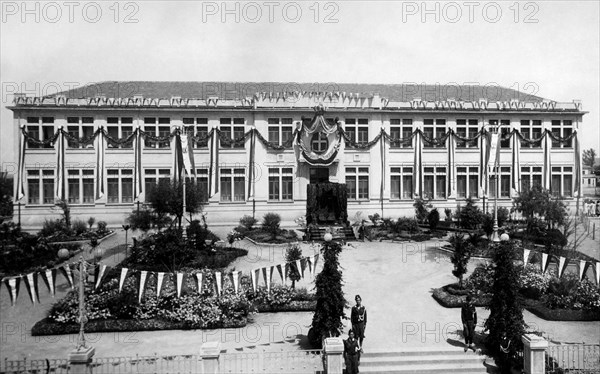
[{"x": 325, "y": 151}]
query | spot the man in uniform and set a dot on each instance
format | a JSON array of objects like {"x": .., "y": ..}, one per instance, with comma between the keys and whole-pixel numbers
[
  {"x": 351, "y": 353},
  {"x": 358, "y": 318},
  {"x": 468, "y": 315}
]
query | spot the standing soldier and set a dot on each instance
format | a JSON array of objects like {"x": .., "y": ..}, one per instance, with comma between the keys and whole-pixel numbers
[
  {"x": 358, "y": 318},
  {"x": 468, "y": 315}
]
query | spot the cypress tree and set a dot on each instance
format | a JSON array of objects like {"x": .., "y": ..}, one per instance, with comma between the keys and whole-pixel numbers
[
  {"x": 327, "y": 320},
  {"x": 506, "y": 310}
]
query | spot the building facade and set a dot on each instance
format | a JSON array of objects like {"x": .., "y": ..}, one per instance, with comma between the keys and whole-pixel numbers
[{"x": 101, "y": 148}]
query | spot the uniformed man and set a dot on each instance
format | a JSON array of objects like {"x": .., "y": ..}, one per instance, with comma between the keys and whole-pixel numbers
[
  {"x": 468, "y": 315},
  {"x": 358, "y": 318},
  {"x": 351, "y": 353}
]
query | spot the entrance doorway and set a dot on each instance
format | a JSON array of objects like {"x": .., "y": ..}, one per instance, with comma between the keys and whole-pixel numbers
[{"x": 319, "y": 175}]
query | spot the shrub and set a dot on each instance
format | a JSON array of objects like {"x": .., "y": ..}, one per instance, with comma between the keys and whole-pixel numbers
[
  {"x": 293, "y": 253},
  {"x": 480, "y": 281},
  {"x": 470, "y": 215},
  {"x": 52, "y": 227},
  {"x": 271, "y": 223},
  {"x": 142, "y": 220},
  {"x": 534, "y": 283},
  {"x": 102, "y": 226},
  {"x": 421, "y": 209},
  {"x": 406, "y": 224},
  {"x": 448, "y": 213},
  {"x": 375, "y": 219},
  {"x": 79, "y": 227},
  {"x": 248, "y": 222},
  {"x": 91, "y": 222},
  {"x": 433, "y": 218},
  {"x": 460, "y": 256}
]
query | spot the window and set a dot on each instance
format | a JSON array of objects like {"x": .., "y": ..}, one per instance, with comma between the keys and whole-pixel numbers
[
  {"x": 400, "y": 129},
  {"x": 402, "y": 183},
  {"x": 159, "y": 127},
  {"x": 119, "y": 186},
  {"x": 434, "y": 129},
  {"x": 467, "y": 129},
  {"x": 562, "y": 129},
  {"x": 80, "y": 128},
  {"x": 43, "y": 130},
  {"x": 357, "y": 182},
  {"x": 232, "y": 129},
  {"x": 80, "y": 186},
  {"x": 40, "y": 186},
  {"x": 357, "y": 130},
  {"x": 467, "y": 182},
  {"x": 120, "y": 129},
  {"x": 280, "y": 184},
  {"x": 434, "y": 182},
  {"x": 202, "y": 181},
  {"x": 562, "y": 181},
  {"x": 153, "y": 176},
  {"x": 233, "y": 185},
  {"x": 504, "y": 175},
  {"x": 197, "y": 127},
  {"x": 530, "y": 175},
  {"x": 319, "y": 143},
  {"x": 531, "y": 130},
  {"x": 280, "y": 130}
]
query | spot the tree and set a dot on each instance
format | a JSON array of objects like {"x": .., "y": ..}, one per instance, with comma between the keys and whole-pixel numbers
[
  {"x": 470, "y": 215},
  {"x": 6, "y": 191},
  {"x": 166, "y": 199},
  {"x": 271, "y": 223},
  {"x": 327, "y": 320},
  {"x": 433, "y": 218},
  {"x": 461, "y": 256},
  {"x": 293, "y": 253},
  {"x": 589, "y": 157},
  {"x": 506, "y": 311},
  {"x": 422, "y": 209}
]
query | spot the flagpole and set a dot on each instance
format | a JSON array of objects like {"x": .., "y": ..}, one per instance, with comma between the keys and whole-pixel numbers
[{"x": 495, "y": 236}]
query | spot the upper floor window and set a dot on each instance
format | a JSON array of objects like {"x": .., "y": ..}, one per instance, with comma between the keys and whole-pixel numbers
[
  {"x": 562, "y": 129},
  {"x": 80, "y": 128},
  {"x": 119, "y": 128},
  {"x": 530, "y": 176},
  {"x": 158, "y": 127},
  {"x": 434, "y": 129},
  {"x": 197, "y": 127},
  {"x": 504, "y": 131},
  {"x": 357, "y": 130},
  {"x": 401, "y": 129},
  {"x": 532, "y": 130},
  {"x": 40, "y": 129},
  {"x": 280, "y": 130},
  {"x": 467, "y": 129},
  {"x": 232, "y": 129},
  {"x": 280, "y": 184},
  {"x": 319, "y": 143}
]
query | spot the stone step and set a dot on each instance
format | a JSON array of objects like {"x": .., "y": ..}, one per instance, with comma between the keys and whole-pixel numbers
[
  {"x": 431, "y": 360},
  {"x": 425, "y": 369},
  {"x": 421, "y": 351}
]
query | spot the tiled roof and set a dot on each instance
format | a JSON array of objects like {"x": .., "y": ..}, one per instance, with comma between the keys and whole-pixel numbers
[{"x": 237, "y": 90}]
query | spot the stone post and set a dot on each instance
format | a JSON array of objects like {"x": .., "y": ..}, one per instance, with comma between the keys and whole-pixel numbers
[
  {"x": 80, "y": 360},
  {"x": 210, "y": 353},
  {"x": 534, "y": 354},
  {"x": 334, "y": 355}
]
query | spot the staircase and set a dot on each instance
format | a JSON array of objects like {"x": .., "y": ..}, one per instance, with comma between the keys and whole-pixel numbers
[
  {"x": 338, "y": 232},
  {"x": 424, "y": 360}
]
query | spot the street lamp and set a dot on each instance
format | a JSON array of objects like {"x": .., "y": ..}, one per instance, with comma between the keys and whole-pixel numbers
[{"x": 126, "y": 228}]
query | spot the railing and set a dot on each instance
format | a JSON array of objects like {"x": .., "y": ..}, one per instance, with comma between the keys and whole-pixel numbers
[
  {"x": 147, "y": 364},
  {"x": 301, "y": 362},
  {"x": 573, "y": 358},
  {"x": 55, "y": 366}
]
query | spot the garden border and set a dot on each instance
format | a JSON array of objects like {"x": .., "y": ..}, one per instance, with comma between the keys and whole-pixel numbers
[{"x": 86, "y": 241}]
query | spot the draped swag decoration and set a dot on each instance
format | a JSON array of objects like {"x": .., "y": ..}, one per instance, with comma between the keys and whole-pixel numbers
[
  {"x": 142, "y": 277},
  {"x": 331, "y": 134}
]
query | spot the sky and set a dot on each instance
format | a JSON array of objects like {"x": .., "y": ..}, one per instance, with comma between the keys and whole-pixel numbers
[{"x": 547, "y": 48}]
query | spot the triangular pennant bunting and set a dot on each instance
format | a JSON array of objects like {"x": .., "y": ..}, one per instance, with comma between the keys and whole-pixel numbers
[
  {"x": 299, "y": 268},
  {"x": 253, "y": 279},
  {"x": 597, "y": 273},
  {"x": 316, "y": 256},
  {"x": 50, "y": 280},
  {"x": 526, "y": 256},
  {"x": 218, "y": 282},
  {"x": 178, "y": 279},
  {"x": 199, "y": 281},
  {"x": 160, "y": 277},
  {"x": 280, "y": 271},
  {"x": 66, "y": 271},
  {"x": 267, "y": 276},
  {"x": 309, "y": 263},
  {"x": 582, "y": 266},
  {"x": 99, "y": 274},
  {"x": 545, "y": 262},
  {"x": 561, "y": 266},
  {"x": 32, "y": 287},
  {"x": 13, "y": 289},
  {"x": 122, "y": 278},
  {"x": 235, "y": 279},
  {"x": 143, "y": 280}
]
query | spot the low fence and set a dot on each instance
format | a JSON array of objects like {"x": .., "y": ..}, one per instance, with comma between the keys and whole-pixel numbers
[
  {"x": 573, "y": 358},
  {"x": 284, "y": 362}
]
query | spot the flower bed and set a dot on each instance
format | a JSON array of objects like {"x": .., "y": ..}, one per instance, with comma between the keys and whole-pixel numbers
[
  {"x": 538, "y": 308},
  {"x": 453, "y": 300}
]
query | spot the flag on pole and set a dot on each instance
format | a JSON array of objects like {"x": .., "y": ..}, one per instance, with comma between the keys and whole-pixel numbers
[
  {"x": 451, "y": 171},
  {"x": 32, "y": 287},
  {"x": 187, "y": 152},
  {"x": 547, "y": 177},
  {"x": 138, "y": 184},
  {"x": 99, "y": 149},
  {"x": 213, "y": 177},
  {"x": 382, "y": 153},
  {"x": 21, "y": 168},
  {"x": 577, "y": 153},
  {"x": 60, "y": 164},
  {"x": 516, "y": 164},
  {"x": 418, "y": 164},
  {"x": 160, "y": 276},
  {"x": 251, "y": 175},
  {"x": 122, "y": 278},
  {"x": 483, "y": 161}
]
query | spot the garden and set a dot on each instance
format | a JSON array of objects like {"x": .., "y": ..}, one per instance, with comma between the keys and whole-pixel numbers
[{"x": 268, "y": 231}]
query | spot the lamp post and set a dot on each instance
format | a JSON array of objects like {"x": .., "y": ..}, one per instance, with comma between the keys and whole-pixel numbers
[
  {"x": 495, "y": 134},
  {"x": 126, "y": 228}
]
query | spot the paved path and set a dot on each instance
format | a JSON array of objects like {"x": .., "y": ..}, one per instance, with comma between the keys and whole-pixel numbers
[{"x": 394, "y": 280}]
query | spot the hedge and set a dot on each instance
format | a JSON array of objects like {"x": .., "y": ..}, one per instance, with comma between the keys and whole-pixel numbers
[{"x": 540, "y": 310}]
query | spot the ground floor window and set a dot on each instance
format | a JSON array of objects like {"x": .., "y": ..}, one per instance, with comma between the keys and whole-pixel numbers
[
  {"x": 434, "y": 182},
  {"x": 280, "y": 184},
  {"x": 530, "y": 176},
  {"x": 80, "y": 186},
  {"x": 202, "y": 182},
  {"x": 401, "y": 183},
  {"x": 357, "y": 183},
  {"x": 119, "y": 185},
  {"x": 233, "y": 184},
  {"x": 562, "y": 181},
  {"x": 504, "y": 176},
  {"x": 40, "y": 186},
  {"x": 467, "y": 182},
  {"x": 153, "y": 176}
]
